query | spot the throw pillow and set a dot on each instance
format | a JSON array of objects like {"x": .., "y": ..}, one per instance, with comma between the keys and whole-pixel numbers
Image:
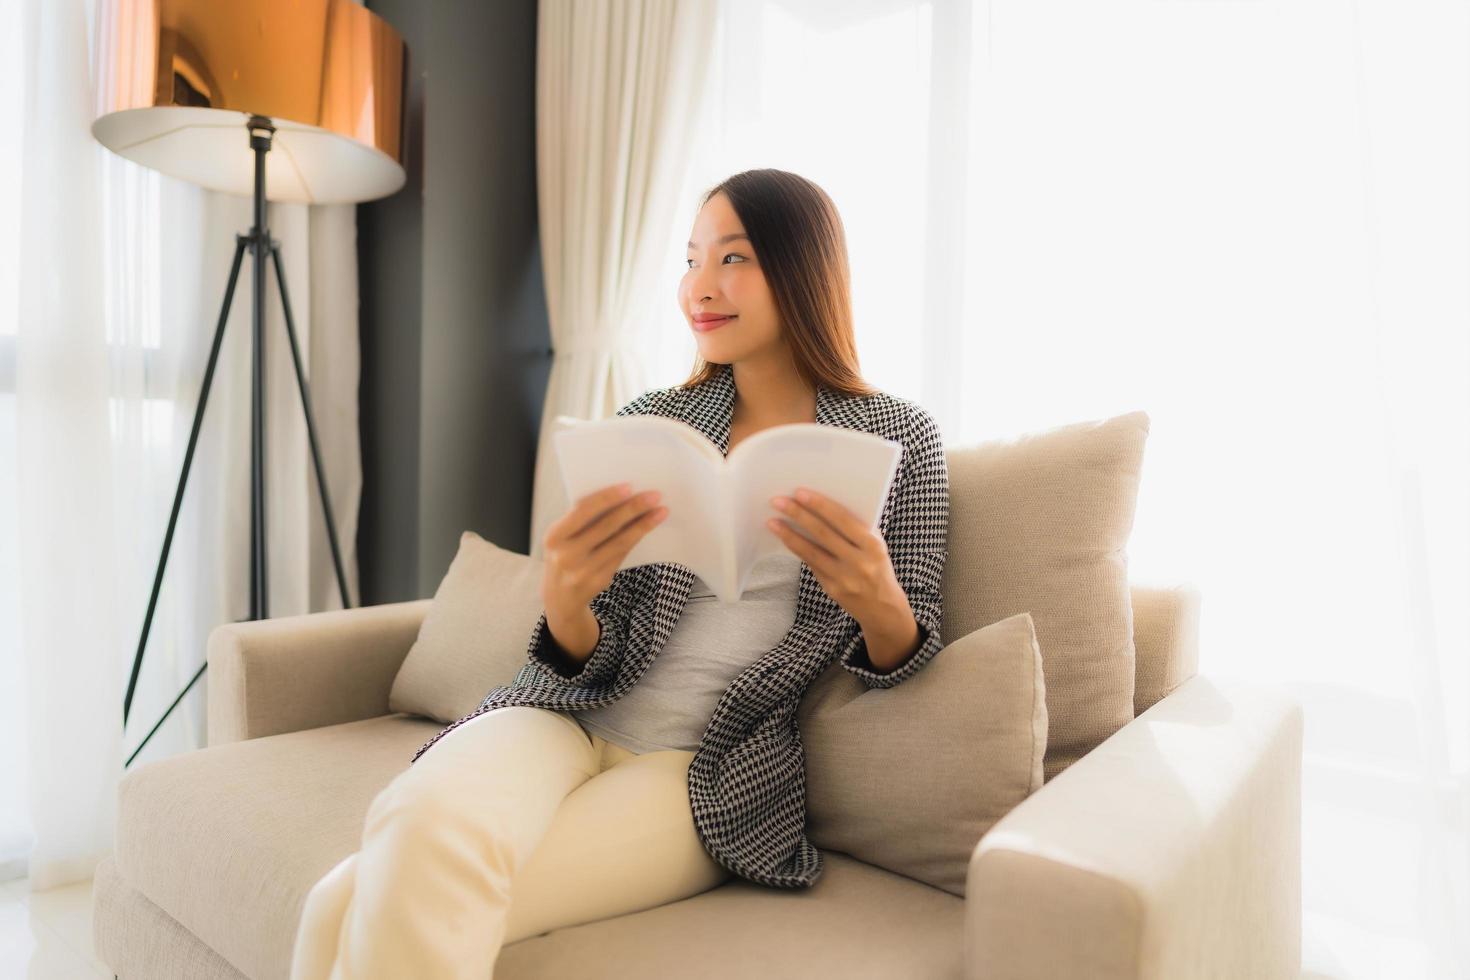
[
  {"x": 910, "y": 777},
  {"x": 1040, "y": 524},
  {"x": 475, "y": 634}
]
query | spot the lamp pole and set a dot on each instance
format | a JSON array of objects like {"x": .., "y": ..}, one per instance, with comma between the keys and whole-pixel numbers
[{"x": 261, "y": 245}]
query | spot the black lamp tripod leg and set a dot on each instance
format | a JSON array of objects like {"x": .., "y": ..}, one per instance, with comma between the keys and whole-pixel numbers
[
  {"x": 168, "y": 537},
  {"x": 167, "y": 711},
  {"x": 316, "y": 455}
]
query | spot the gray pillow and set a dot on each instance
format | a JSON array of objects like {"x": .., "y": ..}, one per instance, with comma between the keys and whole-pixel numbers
[
  {"x": 910, "y": 777},
  {"x": 476, "y": 634}
]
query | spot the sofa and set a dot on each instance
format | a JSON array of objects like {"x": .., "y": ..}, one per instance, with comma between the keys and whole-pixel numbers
[{"x": 1169, "y": 849}]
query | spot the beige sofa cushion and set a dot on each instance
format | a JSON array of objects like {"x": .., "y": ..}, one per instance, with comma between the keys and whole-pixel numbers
[
  {"x": 909, "y": 778},
  {"x": 857, "y": 921},
  {"x": 1165, "y": 639},
  {"x": 228, "y": 840},
  {"x": 1039, "y": 523},
  {"x": 476, "y": 634}
]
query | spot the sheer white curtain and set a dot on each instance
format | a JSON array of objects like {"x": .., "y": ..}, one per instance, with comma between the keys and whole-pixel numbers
[
  {"x": 616, "y": 87},
  {"x": 1250, "y": 220},
  {"x": 112, "y": 281}
]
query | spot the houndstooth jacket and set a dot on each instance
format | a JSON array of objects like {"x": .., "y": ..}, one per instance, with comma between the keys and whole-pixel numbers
[{"x": 746, "y": 780}]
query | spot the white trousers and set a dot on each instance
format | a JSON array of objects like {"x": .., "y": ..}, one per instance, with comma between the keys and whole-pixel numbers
[{"x": 518, "y": 822}]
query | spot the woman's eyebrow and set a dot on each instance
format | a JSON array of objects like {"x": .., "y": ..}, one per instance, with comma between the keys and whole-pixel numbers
[{"x": 726, "y": 238}]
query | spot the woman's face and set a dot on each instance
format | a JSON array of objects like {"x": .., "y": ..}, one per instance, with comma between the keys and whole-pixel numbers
[{"x": 725, "y": 278}]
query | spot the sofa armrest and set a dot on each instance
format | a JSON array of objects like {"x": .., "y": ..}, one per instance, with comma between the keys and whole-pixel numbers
[
  {"x": 270, "y": 676},
  {"x": 1173, "y": 849}
]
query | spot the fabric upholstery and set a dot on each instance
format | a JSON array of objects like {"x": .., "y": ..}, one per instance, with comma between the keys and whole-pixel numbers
[
  {"x": 910, "y": 778},
  {"x": 228, "y": 840},
  {"x": 474, "y": 635},
  {"x": 1173, "y": 849},
  {"x": 270, "y": 676},
  {"x": 1042, "y": 526},
  {"x": 136, "y": 938},
  {"x": 733, "y": 932},
  {"x": 1166, "y": 638},
  {"x": 857, "y": 923}
]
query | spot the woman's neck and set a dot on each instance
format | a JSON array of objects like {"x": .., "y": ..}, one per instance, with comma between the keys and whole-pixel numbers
[{"x": 771, "y": 394}]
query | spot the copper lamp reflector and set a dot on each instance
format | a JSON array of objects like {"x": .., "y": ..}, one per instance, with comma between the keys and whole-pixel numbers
[{"x": 178, "y": 79}]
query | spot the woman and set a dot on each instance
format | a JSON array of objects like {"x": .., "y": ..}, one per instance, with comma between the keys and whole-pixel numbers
[{"x": 648, "y": 749}]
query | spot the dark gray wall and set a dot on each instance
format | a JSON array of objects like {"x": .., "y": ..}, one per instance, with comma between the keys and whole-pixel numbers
[{"x": 454, "y": 328}]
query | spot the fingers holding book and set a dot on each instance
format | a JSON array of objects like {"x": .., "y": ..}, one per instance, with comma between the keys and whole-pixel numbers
[
  {"x": 847, "y": 557},
  {"x": 587, "y": 544},
  {"x": 834, "y": 526}
]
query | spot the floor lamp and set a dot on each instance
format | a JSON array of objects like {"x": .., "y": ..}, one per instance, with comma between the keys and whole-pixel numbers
[{"x": 204, "y": 91}]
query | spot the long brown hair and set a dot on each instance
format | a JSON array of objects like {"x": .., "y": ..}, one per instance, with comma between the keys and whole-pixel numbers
[{"x": 796, "y": 234}]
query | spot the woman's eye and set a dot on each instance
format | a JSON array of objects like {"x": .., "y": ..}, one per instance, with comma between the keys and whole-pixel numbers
[{"x": 733, "y": 255}]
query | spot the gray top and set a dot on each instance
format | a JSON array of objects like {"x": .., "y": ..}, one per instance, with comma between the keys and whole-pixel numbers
[{"x": 711, "y": 643}]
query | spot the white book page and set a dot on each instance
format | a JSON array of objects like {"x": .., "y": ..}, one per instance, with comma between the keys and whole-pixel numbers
[
  {"x": 856, "y": 469},
  {"x": 652, "y": 452}
]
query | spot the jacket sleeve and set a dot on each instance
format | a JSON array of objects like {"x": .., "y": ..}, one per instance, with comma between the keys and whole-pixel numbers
[
  {"x": 917, "y": 535},
  {"x": 555, "y": 665},
  {"x": 612, "y": 607}
]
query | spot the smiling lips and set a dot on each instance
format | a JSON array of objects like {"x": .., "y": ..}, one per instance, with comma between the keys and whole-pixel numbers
[{"x": 705, "y": 322}]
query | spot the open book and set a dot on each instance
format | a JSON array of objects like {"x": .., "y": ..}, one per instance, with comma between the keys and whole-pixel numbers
[{"x": 718, "y": 505}]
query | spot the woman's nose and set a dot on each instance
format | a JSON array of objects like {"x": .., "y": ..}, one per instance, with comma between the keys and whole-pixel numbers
[{"x": 701, "y": 285}]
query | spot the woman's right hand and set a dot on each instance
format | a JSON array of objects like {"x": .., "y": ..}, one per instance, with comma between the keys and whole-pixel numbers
[{"x": 585, "y": 547}]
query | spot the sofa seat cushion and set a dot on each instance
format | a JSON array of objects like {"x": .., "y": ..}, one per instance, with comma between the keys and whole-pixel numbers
[
  {"x": 135, "y": 938},
  {"x": 228, "y": 840},
  {"x": 856, "y": 921}
]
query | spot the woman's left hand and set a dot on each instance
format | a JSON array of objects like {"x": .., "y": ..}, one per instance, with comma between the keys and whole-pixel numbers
[{"x": 847, "y": 557}]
